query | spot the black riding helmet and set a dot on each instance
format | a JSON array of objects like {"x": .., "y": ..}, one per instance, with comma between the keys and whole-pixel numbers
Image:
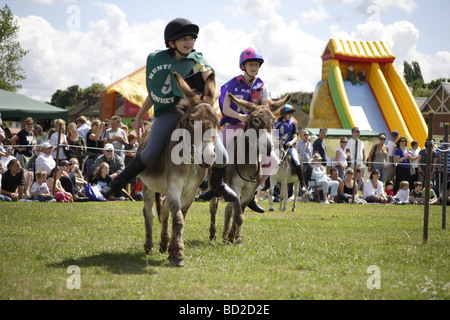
[{"x": 178, "y": 28}]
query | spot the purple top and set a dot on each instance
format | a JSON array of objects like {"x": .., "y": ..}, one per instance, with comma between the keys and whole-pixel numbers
[{"x": 240, "y": 90}]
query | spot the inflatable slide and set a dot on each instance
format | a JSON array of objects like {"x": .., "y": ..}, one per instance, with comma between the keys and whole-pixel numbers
[{"x": 361, "y": 87}]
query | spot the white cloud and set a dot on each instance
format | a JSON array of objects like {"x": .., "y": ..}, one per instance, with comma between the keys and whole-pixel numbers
[
  {"x": 261, "y": 9},
  {"x": 110, "y": 50},
  {"x": 315, "y": 15}
]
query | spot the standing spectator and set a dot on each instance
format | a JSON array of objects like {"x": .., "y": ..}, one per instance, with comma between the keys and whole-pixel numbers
[
  {"x": 422, "y": 162},
  {"x": 13, "y": 181},
  {"x": 78, "y": 143},
  {"x": 45, "y": 161},
  {"x": 95, "y": 143},
  {"x": 390, "y": 168},
  {"x": 377, "y": 157},
  {"x": 359, "y": 155},
  {"x": 319, "y": 146},
  {"x": 443, "y": 176},
  {"x": 414, "y": 164},
  {"x": 82, "y": 127},
  {"x": 116, "y": 135},
  {"x": 373, "y": 189},
  {"x": 114, "y": 161},
  {"x": 63, "y": 139},
  {"x": 341, "y": 157},
  {"x": 131, "y": 148},
  {"x": 39, "y": 190},
  {"x": 402, "y": 158},
  {"x": 25, "y": 139},
  {"x": 39, "y": 133}
]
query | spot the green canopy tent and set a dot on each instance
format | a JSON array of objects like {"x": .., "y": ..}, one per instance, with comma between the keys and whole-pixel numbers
[{"x": 14, "y": 106}]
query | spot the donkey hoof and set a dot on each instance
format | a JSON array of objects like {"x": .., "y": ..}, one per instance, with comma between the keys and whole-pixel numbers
[
  {"x": 178, "y": 262},
  {"x": 148, "y": 249},
  {"x": 271, "y": 209}
]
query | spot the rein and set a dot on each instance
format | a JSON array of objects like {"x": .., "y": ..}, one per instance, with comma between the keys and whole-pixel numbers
[{"x": 250, "y": 179}]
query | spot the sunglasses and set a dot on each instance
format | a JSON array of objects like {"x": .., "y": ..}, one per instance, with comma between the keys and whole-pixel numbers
[
  {"x": 382, "y": 138},
  {"x": 344, "y": 141},
  {"x": 403, "y": 141},
  {"x": 108, "y": 150},
  {"x": 350, "y": 173}
]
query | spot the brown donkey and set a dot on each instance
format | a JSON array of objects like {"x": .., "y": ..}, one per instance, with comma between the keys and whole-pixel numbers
[
  {"x": 179, "y": 180},
  {"x": 243, "y": 175}
]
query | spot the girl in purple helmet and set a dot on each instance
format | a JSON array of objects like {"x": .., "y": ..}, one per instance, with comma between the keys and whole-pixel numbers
[{"x": 247, "y": 87}]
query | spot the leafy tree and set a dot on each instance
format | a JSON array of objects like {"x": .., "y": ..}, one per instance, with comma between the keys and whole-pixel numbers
[
  {"x": 65, "y": 98},
  {"x": 412, "y": 72},
  {"x": 95, "y": 87},
  {"x": 11, "y": 52}
]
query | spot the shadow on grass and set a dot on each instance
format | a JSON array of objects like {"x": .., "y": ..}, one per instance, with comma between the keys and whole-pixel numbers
[{"x": 117, "y": 263}]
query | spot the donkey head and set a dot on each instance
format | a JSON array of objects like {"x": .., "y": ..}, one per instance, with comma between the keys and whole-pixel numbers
[
  {"x": 261, "y": 119},
  {"x": 199, "y": 118}
]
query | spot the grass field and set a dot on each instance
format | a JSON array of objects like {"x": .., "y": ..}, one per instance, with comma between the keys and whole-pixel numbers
[{"x": 318, "y": 252}]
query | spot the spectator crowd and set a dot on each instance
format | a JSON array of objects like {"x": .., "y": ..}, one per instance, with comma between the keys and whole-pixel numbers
[
  {"x": 34, "y": 166},
  {"x": 57, "y": 165}
]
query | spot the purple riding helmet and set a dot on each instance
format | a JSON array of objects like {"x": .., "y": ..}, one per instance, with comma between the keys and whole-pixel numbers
[{"x": 250, "y": 54}]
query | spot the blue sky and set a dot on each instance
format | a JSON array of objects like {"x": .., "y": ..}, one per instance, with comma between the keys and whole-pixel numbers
[{"x": 78, "y": 42}]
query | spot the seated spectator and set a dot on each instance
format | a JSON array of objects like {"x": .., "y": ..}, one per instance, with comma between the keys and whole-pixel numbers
[
  {"x": 434, "y": 199},
  {"x": 100, "y": 176},
  {"x": 402, "y": 196},
  {"x": 114, "y": 161},
  {"x": 39, "y": 190},
  {"x": 416, "y": 195},
  {"x": 334, "y": 176},
  {"x": 8, "y": 156},
  {"x": 373, "y": 189},
  {"x": 60, "y": 194},
  {"x": 359, "y": 179},
  {"x": 13, "y": 181},
  {"x": 448, "y": 192},
  {"x": 69, "y": 181},
  {"x": 75, "y": 170},
  {"x": 389, "y": 189},
  {"x": 45, "y": 161},
  {"x": 348, "y": 188},
  {"x": 319, "y": 174}
]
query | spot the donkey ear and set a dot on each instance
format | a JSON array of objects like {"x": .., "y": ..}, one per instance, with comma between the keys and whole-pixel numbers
[
  {"x": 189, "y": 94},
  {"x": 247, "y": 106},
  {"x": 209, "y": 91},
  {"x": 276, "y": 106}
]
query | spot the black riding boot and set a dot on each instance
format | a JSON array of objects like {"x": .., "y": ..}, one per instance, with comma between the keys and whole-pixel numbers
[
  {"x": 254, "y": 206},
  {"x": 299, "y": 171},
  {"x": 135, "y": 167},
  {"x": 218, "y": 187}
]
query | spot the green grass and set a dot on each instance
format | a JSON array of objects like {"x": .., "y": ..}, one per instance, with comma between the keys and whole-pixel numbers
[{"x": 318, "y": 252}]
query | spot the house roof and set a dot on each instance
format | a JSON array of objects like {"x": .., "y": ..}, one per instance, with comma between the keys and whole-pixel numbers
[{"x": 439, "y": 100}]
